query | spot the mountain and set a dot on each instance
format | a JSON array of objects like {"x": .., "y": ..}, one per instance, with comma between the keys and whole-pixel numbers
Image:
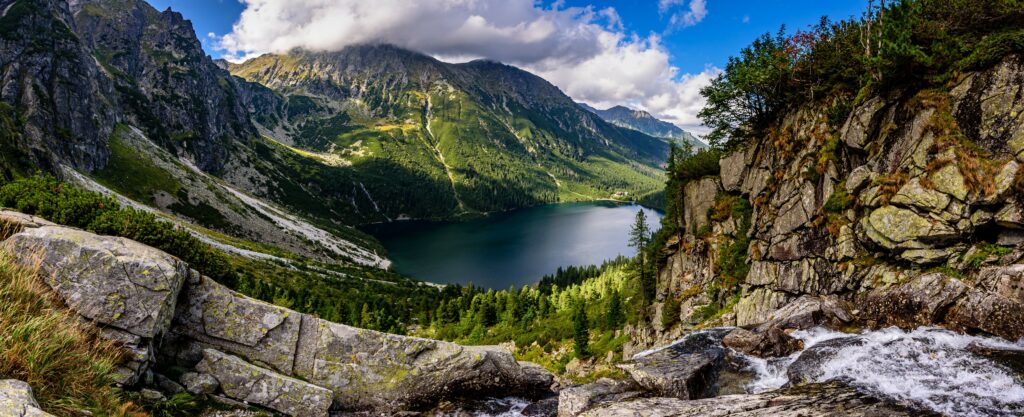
[
  {"x": 292, "y": 151},
  {"x": 447, "y": 139},
  {"x": 643, "y": 121}
]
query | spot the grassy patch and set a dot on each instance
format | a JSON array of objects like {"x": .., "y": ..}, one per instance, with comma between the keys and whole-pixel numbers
[
  {"x": 133, "y": 173},
  {"x": 68, "y": 366}
]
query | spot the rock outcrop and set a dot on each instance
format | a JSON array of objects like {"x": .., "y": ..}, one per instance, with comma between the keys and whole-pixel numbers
[
  {"x": 250, "y": 351},
  {"x": 811, "y": 400},
  {"x": 16, "y": 400},
  {"x": 909, "y": 213}
]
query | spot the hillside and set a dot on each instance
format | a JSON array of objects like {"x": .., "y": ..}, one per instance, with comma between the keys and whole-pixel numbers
[{"x": 450, "y": 138}]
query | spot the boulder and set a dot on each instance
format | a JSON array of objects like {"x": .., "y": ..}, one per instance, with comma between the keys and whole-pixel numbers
[
  {"x": 199, "y": 384},
  {"x": 897, "y": 228},
  {"x": 858, "y": 179},
  {"x": 816, "y": 400},
  {"x": 771, "y": 339},
  {"x": 1011, "y": 215},
  {"x": 949, "y": 180},
  {"x": 809, "y": 366},
  {"x": 251, "y": 384},
  {"x": 574, "y": 400},
  {"x": 127, "y": 288},
  {"x": 921, "y": 301},
  {"x": 16, "y": 400},
  {"x": 772, "y": 342},
  {"x": 13, "y": 222},
  {"x": 686, "y": 370},
  {"x": 990, "y": 313},
  {"x": 913, "y": 194}
]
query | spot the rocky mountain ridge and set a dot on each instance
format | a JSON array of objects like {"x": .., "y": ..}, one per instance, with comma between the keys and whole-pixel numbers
[{"x": 645, "y": 122}]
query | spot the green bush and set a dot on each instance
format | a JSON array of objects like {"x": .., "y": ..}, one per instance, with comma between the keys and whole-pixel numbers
[{"x": 69, "y": 205}]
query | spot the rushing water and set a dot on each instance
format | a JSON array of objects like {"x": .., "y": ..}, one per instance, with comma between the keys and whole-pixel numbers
[
  {"x": 514, "y": 248},
  {"x": 929, "y": 367}
]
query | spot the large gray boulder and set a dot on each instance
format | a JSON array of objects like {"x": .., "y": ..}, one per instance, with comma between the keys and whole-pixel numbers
[
  {"x": 805, "y": 401},
  {"x": 243, "y": 381},
  {"x": 574, "y": 400},
  {"x": 364, "y": 370},
  {"x": 127, "y": 288},
  {"x": 16, "y": 400},
  {"x": 686, "y": 370}
]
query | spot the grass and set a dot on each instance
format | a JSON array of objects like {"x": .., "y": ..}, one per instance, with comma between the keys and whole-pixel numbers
[{"x": 68, "y": 366}]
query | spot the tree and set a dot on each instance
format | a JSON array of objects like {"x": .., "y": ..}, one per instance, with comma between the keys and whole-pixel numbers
[
  {"x": 581, "y": 329},
  {"x": 639, "y": 238},
  {"x": 614, "y": 316}
]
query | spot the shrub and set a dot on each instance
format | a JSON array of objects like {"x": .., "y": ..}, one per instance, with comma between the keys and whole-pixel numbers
[{"x": 69, "y": 205}]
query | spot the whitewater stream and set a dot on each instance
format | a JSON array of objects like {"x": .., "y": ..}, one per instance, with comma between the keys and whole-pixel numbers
[{"x": 932, "y": 368}]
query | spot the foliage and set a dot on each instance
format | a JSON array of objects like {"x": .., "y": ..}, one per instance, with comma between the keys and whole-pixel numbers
[
  {"x": 897, "y": 44},
  {"x": 68, "y": 366},
  {"x": 66, "y": 204},
  {"x": 670, "y": 312},
  {"x": 581, "y": 330}
]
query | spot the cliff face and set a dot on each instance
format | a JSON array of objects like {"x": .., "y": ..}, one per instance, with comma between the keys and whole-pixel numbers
[{"x": 907, "y": 213}]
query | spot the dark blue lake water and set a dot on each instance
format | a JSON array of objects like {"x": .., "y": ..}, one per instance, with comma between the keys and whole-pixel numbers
[{"x": 514, "y": 248}]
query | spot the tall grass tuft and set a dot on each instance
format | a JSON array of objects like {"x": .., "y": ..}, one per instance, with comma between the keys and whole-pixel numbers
[{"x": 68, "y": 366}]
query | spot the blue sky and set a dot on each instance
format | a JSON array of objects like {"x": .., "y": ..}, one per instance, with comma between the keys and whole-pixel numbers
[{"x": 645, "y": 61}]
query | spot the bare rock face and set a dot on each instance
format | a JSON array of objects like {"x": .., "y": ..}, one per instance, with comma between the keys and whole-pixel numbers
[
  {"x": 127, "y": 288},
  {"x": 16, "y": 400},
  {"x": 254, "y": 385},
  {"x": 573, "y": 401},
  {"x": 805, "y": 401},
  {"x": 686, "y": 370}
]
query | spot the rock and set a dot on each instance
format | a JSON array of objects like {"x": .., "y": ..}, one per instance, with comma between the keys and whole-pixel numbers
[
  {"x": 698, "y": 197},
  {"x": 199, "y": 384},
  {"x": 574, "y": 400},
  {"x": 859, "y": 178},
  {"x": 1004, "y": 281},
  {"x": 242, "y": 381},
  {"x": 816, "y": 400},
  {"x": 923, "y": 300},
  {"x": 1012, "y": 359},
  {"x": 912, "y": 194},
  {"x": 1011, "y": 215},
  {"x": 926, "y": 256},
  {"x": 129, "y": 288},
  {"x": 167, "y": 385},
  {"x": 990, "y": 313},
  {"x": 687, "y": 370},
  {"x": 949, "y": 180},
  {"x": 547, "y": 407},
  {"x": 152, "y": 395},
  {"x": 861, "y": 123},
  {"x": 16, "y": 400},
  {"x": 808, "y": 367},
  {"x": 756, "y": 307},
  {"x": 1004, "y": 183},
  {"x": 732, "y": 170},
  {"x": 796, "y": 211},
  {"x": 1010, "y": 238},
  {"x": 897, "y": 228},
  {"x": 772, "y": 342},
  {"x": 12, "y": 222}
]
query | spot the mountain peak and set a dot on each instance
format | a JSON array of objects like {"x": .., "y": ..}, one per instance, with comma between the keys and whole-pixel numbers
[{"x": 644, "y": 122}]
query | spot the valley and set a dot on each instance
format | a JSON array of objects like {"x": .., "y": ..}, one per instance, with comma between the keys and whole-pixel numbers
[{"x": 411, "y": 227}]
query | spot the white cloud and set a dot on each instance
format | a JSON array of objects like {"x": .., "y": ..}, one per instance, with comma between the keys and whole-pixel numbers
[
  {"x": 693, "y": 15},
  {"x": 583, "y": 50}
]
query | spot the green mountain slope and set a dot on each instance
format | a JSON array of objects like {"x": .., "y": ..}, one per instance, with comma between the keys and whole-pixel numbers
[{"x": 447, "y": 139}]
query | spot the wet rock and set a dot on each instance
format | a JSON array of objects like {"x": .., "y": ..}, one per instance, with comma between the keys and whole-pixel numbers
[
  {"x": 771, "y": 339},
  {"x": 921, "y": 301},
  {"x": 547, "y": 407},
  {"x": 808, "y": 367},
  {"x": 573, "y": 401},
  {"x": 1012, "y": 359},
  {"x": 245, "y": 382},
  {"x": 16, "y": 400},
  {"x": 815, "y": 400},
  {"x": 772, "y": 342},
  {"x": 988, "y": 312},
  {"x": 686, "y": 370},
  {"x": 127, "y": 287}
]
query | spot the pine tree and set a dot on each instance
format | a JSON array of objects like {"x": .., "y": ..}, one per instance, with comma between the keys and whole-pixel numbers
[
  {"x": 639, "y": 237},
  {"x": 581, "y": 330},
  {"x": 614, "y": 316}
]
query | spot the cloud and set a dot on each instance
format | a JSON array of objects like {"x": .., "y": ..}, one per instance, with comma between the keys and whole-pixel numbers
[
  {"x": 695, "y": 14},
  {"x": 583, "y": 50}
]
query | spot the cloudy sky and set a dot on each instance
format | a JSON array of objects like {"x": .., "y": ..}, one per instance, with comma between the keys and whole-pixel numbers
[{"x": 649, "y": 54}]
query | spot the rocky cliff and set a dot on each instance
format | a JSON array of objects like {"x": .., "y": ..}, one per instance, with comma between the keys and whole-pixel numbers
[
  {"x": 216, "y": 342},
  {"x": 907, "y": 213}
]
